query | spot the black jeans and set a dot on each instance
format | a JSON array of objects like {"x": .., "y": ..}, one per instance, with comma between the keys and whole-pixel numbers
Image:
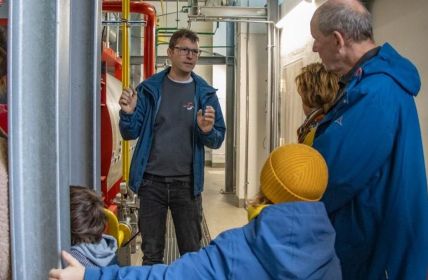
[{"x": 186, "y": 210}]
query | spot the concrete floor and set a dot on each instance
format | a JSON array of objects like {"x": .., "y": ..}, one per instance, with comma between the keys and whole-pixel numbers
[{"x": 219, "y": 209}]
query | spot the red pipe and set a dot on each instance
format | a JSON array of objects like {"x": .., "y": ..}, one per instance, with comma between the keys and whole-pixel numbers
[{"x": 149, "y": 30}]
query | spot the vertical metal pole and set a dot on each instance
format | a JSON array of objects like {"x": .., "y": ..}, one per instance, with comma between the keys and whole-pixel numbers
[
  {"x": 176, "y": 15},
  {"x": 85, "y": 53},
  {"x": 39, "y": 134},
  {"x": 247, "y": 110},
  {"x": 273, "y": 75},
  {"x": 125, "y": 79},
  {"x": 230, "y": 109}
]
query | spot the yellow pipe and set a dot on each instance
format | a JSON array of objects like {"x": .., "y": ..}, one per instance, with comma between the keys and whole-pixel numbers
[
  {"x": 125, "y": 79},
  {"x": 120, "y": 231},
  {"x": 165, "y": 21}
]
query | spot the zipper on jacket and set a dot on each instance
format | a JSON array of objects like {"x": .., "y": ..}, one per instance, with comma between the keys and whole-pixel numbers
[{"x": 195, "y": 121}]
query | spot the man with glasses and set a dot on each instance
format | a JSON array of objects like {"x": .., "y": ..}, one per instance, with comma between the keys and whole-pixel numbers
[{"x": 174, "y": 113}]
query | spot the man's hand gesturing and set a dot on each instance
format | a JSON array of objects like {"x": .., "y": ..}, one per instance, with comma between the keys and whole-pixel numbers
[
  {"x": 206, "y": 120},
  {"x": 128, "y": 100}
]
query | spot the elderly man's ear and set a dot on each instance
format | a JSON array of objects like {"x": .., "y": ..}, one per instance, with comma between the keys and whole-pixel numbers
[{"x": 339, "y": 39}]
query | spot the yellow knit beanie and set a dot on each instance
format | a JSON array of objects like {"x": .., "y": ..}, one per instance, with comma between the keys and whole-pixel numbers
[{"x": 294, "y": 172}]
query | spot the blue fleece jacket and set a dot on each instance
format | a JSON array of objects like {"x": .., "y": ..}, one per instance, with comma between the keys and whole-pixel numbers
[
  {"x": 140, "y": 123},
  {"x": 286, "y": 241},
  {"x": 377, "y": 192}
]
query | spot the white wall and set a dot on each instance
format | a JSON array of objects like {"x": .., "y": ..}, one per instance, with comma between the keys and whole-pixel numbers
[
  {"x": 296, "y": 51},
  {"x": 404, "y": 24},
  {"x": 218, "y": 156}
]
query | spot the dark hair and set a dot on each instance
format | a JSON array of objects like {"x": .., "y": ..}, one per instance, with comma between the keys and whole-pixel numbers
[
  {"x": 182, "y": 33},
  {"x": 3, "y": 62},
  {"x": 3, "y": 52},
  {"x": 353, "y": 21},
  {"x": 87, "y": 216}
]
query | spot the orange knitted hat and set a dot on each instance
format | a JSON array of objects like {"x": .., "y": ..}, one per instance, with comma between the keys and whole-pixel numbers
[{"x": 294, "y": 172}]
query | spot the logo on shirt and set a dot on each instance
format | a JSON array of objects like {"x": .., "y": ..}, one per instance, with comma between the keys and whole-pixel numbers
[
  {"x": 188, "y": 106},
  {"x": 339, "y": 121}
]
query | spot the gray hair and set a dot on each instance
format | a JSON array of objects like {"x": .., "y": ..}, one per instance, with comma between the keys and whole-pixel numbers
[{"x": 353, "y": 23}]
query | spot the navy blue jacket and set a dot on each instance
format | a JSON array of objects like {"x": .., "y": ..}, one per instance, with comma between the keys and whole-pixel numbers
[
  {"x": 377, "y": 191},
  {"x": 140, "y": 123},
  {"x": 292, "y": 240}
]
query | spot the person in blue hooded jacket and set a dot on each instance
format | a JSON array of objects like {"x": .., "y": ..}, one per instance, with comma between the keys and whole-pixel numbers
[
  {"x": 377, "y": 191},
  {"x": 89, "y": 245},
  {"x": 289, "y": 235},
  {"x": 174, "y": 114}
]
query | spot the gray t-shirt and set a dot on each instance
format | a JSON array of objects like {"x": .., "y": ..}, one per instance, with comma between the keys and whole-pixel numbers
[{"x": 171, "y": 152}]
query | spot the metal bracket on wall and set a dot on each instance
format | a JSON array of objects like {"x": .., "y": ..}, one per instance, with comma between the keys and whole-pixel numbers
[{"x": 200, "y": 13}]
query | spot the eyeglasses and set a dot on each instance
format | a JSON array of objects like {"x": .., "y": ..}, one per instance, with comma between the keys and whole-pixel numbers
[{"x": 187, "y": 51}]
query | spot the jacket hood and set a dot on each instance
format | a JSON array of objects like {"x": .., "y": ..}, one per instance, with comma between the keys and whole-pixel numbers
[
  {"x": 400, "y": 69},
  {"x": 294, "y": 240},
  {"x": 102, "y": 253}
]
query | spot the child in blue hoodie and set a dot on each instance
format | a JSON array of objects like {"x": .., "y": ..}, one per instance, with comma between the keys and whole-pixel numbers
[
  {"x": 289, "y": 235},
  {"x": 90, "y": 246}
]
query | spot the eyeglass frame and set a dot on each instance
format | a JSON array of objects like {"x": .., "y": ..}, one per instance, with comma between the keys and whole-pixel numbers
[{"x": 186, "y": 51}]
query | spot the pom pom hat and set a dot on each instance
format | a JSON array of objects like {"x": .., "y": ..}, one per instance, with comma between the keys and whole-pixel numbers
[{"x": 294, "y": 172}]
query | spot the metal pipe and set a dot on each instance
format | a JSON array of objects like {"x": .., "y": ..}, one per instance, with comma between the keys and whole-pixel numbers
[
  {"x": 234, "y": 12},
  {"x": 149, "y": 30},
  {"x": 176, "y": 17},
  {"x": 194, "y": 5},
  {"x": 216, "y": 19},
  {"x": 247, "y": 113},
  {"x": 273, "y": 86},
  {"x": 39, "y": 131},
  {"x": 125, "y": 81},
  {"x": 125, "y": 43},
  {"x": 117, "y": 41},
  {"x": 231, "y": 101},
  {"x": 167, "y": 33},
  {"x": 130, "y": 22},
  {"x": 276, "y": 121},
  {"x": 269, "y": 87},
  {"x": 167, "y": 28},
  {"x": 107, "y": 29}
]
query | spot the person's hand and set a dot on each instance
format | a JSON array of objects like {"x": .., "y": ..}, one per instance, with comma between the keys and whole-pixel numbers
[
  {"x": 74, "y": 270},
  {"x": 128, "y": 100},
  {"x": 206, "y": 121}
]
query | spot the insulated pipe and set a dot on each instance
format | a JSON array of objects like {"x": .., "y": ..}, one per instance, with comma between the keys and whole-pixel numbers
[{"x": 149, "y": 30}]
